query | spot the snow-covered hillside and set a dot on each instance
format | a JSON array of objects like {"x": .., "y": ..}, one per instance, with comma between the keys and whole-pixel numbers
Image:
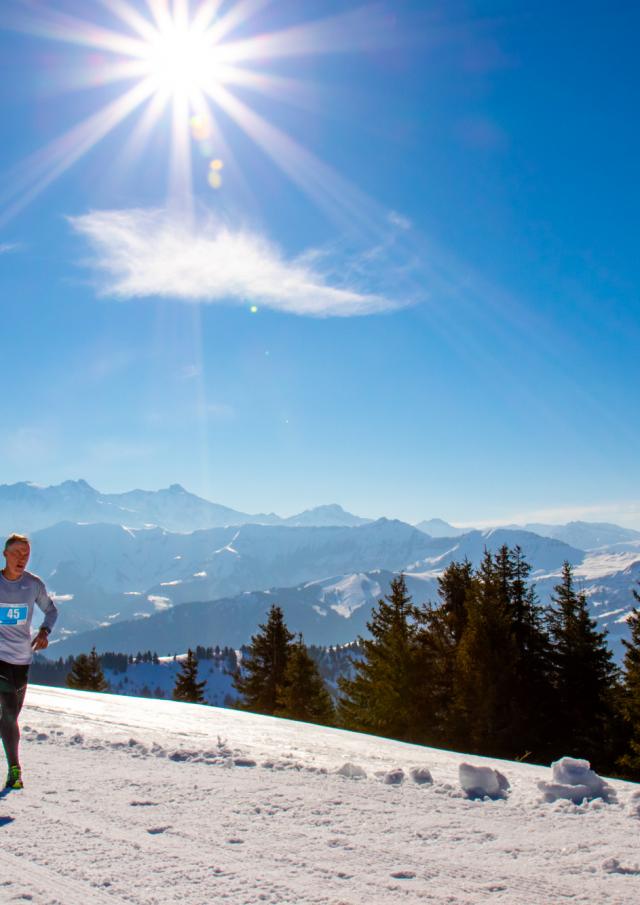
[
  {"x": 335, "y": 610},
  {"x": 106, "y": 573},
  {"x": 147, "y": 802}
]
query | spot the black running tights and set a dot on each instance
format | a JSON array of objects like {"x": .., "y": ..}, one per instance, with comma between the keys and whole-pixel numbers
[{"x": 10, "y": 707}]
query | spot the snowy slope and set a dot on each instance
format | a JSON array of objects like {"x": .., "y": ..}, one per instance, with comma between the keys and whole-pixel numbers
[
  {"x": 335, "y": 610},
  {"x": 543, "y": 553},
  {"x": 148, "y": 802},
  {"x": 107, "y": 573}
]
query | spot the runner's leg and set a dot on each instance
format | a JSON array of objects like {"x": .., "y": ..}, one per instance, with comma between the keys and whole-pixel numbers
[{"x": 10, "y": 707}]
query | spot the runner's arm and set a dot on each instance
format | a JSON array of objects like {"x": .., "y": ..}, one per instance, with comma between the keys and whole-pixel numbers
[{"x": 48, "y": 607}]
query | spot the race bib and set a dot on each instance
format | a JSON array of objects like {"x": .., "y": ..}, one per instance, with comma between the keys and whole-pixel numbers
[{"x": 13, "y": 615}]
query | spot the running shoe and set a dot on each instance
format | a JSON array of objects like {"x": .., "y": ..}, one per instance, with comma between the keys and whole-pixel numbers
[{"x": 14, "y": 778}]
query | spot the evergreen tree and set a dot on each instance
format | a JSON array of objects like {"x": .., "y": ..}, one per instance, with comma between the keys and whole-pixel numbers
[
  {"x": 187, "y": 687},
  {"x": 441, "y": 629},
  {"x": 380, "y": 698},
  {"x": 584, "y": 676},
  {"x": 303, "y": 695},
  {"x": 630, "y": 703},
  {"x": 486, "y": 664},
  {"x": 531, "y": 691},
  {"x": 86, "y": 673},
  {"x": 262, "y": 672}
]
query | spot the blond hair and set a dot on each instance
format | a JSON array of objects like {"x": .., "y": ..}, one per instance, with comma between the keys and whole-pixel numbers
[{"x": 15, "y": 539}]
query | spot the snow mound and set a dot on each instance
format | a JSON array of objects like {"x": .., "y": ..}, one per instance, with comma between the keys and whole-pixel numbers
[
  {"x": 421, "y": 775},
  {"x": 482, "y": 782},
  {"x": 613, "y": 866},
  {"x": 394, "y": 777},
  {"x": 634, "y": 804},
  {"x": 351, "y": 771},
  {"x": 574, "y": 780}
]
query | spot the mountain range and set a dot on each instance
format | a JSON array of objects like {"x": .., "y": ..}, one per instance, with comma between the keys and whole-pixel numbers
[
  {"x": 26, "y": 507},
  {"x": 138, "y": 571}
]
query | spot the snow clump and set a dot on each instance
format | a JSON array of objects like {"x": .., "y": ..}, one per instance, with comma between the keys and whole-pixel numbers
[
  {"x": 634, "y": 804},
  {"x": 351, "y": 771},
  {"x": 421, "y": 775},
  {"x": 574, "y": 780},
  {"x": 393, "y": 777},
  {"x": 481, "y": 782}
]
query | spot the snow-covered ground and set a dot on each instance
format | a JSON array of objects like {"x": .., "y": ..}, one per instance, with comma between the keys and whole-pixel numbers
[{"x": 140, "y": 801}]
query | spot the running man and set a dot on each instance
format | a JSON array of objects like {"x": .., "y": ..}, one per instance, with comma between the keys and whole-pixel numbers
[{"x": 19, "y": 591}]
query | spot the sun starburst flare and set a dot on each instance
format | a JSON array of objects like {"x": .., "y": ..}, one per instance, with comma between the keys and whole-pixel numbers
[{"x": 179, "y": 58}]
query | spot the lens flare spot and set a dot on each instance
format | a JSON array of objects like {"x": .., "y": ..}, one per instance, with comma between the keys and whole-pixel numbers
[
  {"x": 216, "y": 164},
  {"x": 253, "y": 309},
  {"x": 200, "y": 127},
  {"x": 214, "y": 179}
]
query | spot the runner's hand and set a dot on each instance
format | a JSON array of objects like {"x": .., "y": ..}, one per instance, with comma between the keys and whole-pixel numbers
[{"x": 41, "y": 640}]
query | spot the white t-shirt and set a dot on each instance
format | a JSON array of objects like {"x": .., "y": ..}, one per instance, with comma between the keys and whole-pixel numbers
[{"x": 17, "y": 599}]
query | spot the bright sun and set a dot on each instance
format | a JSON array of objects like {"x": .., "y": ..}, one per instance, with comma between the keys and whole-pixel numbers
[{"x": 182, "y": 60}]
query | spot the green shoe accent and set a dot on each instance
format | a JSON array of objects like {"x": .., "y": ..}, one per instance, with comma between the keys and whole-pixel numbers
[{"x": 14, "y": 778}]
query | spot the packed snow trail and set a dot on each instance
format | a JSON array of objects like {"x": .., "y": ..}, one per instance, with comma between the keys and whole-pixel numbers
[{"x": 151, "y": 802}]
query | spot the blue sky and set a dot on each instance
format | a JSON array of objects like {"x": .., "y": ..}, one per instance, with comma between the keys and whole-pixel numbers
[{"x": 433, "y": 208}]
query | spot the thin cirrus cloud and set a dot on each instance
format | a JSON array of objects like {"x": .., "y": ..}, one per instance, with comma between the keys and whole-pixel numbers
[{"x": 141, "y": 253}]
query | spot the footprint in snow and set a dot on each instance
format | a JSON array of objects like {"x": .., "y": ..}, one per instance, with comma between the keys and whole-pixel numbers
[
  {"x": 143, "y": 804},
  {"x": 235, "y": 841},
  {"x": 403, "y": 875},
  {"x": 156, "y": 830}
]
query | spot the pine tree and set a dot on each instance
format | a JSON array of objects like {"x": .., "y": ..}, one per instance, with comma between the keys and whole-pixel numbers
[
  {"x": 584, "y": 676},
  {"x": 262, "y": 673},
  {"x": 187, "y": 687},
  {"x": 630, "y": 703},
  {"x": 303, "y": 695},
  {"x": 531, "y": 690},
  {"x": 380, "y": 698},
  {"x": 86, "y": 673},
  {"x": 485, "y": 665},
  {"x": 440, "y": 631}
]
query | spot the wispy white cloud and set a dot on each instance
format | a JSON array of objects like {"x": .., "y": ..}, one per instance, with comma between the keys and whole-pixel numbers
[
  {"x": 399, "y": 220},
  {"x": 142, "y": 253},
  {"x": 7, "y": 248}
]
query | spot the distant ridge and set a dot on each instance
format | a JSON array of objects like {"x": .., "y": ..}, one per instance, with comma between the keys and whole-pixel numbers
[
  {"x": 437, "y": 527},
  {"x": 26, "y": 507},
  {"x": 584, "y": 535}
]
